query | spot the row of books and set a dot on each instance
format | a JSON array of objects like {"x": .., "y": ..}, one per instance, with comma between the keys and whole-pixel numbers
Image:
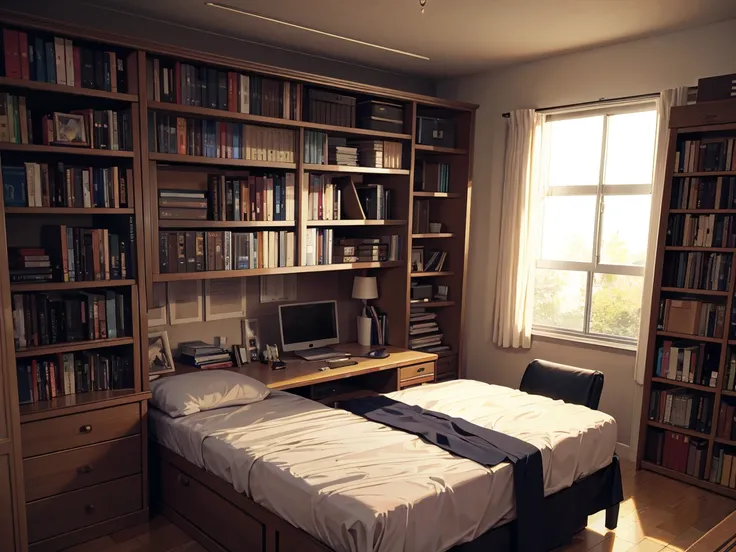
[
  {"x": 677, "y": 452},
  {"x": 431, "y": 177},
  {"x": 697, "y": 270},
  {"x": 89, "y": 128},
  {"x": 194, "y": 251},
  {"x": 204, "y": 355},
  {"x": 703, "y": 193},
  {"x": 725, "y": 428},
  {"x": 72, "y": 373},
  {"x": 689, "y": 316},
  {"x": 681, "y": 408},
  {"x": 680, "y": 361},
  {"x": 379, "y": 325},
  {"x": 219, "y": 139},
  {"x": 46, "y": 319},
  {"x": 323, "y": 249},
  {"x": 427, "y": 261},
  {"x": 330, "y": 199},
  {"x": 87, "y": 254},
  {"x": 57, "y": 60},
  {"x": 198, "y": 86},
  {"x": 322, "y": 149},
  {"x": 729, "y": 380},
  {"x": 723, "y": 469},
  {"x": 58, "y": 185},
  {"x": 701, "y": 230},
  {"x": 16, "y": 126},
  {"x": 324, "y": 198},
  {"x": 710, "y": 155},
  {"x": 330, "y": 108}
]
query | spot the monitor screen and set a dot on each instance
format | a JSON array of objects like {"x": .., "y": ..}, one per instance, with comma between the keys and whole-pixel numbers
[{"x": 306, "y": 325}]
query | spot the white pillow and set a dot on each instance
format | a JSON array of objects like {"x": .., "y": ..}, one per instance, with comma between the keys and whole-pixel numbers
[{"x": 186, "y": 394}]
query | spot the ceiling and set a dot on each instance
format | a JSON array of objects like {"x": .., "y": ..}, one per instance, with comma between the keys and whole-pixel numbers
[{"x": 459, "y": 36}]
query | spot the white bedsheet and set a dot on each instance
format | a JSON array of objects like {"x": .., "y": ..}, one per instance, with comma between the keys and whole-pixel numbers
[{"x": 359, "y": 486}]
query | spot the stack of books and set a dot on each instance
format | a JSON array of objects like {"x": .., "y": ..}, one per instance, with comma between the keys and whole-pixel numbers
[
  {"x": 375, "y": 200},
  {"x": 339, "y": 153},
  {"x": 324, "y": 200},
  {"x": 249, "y": 197},
  {"x": 370, "y": 152},
  {"x": 681, "y": 408},
  {"x": 424, "y": 333},
  {"x": 680, "y": 453},
  {"x": 204, "y": 355},
  {"x": 30, "y": 265},
  {"x": 182, "y": 205}
]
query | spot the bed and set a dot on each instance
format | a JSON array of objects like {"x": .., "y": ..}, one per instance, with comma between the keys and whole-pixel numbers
[{"x": 308, "y": 477}]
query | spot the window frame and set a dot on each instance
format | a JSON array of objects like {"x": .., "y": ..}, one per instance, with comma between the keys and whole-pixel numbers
[{"x": 600, "y": 190}]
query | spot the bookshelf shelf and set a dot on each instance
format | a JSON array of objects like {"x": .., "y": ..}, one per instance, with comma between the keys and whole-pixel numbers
[
  {"x": 68, "y": 286},
  {"x": 440, "y": 149},
  {"x": 432, "y": 304},
  {"x": 677, "y": 429},
  {"x": 689, "y": 291},
  {"x": 68, "y": 211},
  {"x": 434, "y": 235},
  {"x": 703, "y": 211},
  {"x": 38, "y": 86},
  {"x": 437, "y": 195},
  {"x": 354, "y": 131},
  {"x": 694, "y": 248},
  {"x": 62, "y": 150},
  {"x": 216, "y": 274},
  {"x": 715, "y": 487},
  {"x": 726, "y": 442},
  {"x": 728, "y": 393},
  {"x": 330, "y": 223},
  {"x": 209, "y": 113},
  {"x": 690, "y": 337},
  {"x": 430, "y": 274},
  {"x": 72, "y": 346},
  {"x": 68, "y": 404},
  {"x": 349, "y": 169},
  {"x": 704, "y": 173},
  {"x": 218, "y": 161},
  {"x": 684, "y": 384},
  {"x": 221, "y": 224}
]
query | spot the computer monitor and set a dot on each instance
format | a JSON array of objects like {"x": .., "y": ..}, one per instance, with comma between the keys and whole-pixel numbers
[{"x": 306, "y": 326}]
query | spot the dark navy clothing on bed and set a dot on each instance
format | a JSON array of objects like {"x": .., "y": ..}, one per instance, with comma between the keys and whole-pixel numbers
[{"x": 479, "y": 444}]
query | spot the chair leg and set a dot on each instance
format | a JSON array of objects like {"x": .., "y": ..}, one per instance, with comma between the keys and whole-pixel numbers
[{"x": 612, "y": 517}]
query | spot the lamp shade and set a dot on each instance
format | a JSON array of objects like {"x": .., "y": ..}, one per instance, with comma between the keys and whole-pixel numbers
[{"x": 365, "y": 287}]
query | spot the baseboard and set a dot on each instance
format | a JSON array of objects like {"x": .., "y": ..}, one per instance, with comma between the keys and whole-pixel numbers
[{"x": 625, "y": 452}]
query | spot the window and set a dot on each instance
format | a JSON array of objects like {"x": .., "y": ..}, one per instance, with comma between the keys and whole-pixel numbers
[{"x": 596, "y": 170}]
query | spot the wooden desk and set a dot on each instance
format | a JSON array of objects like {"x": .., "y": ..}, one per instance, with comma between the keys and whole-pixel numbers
[{"x": 402, "y": 368}]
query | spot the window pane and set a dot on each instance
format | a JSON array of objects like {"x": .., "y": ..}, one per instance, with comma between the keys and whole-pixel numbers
[
  {"x": 575, "y": 151},
  {"x": 616, "y": 305},
  {"x": 630, "y": 148},
  {"x": 567, "y": 230},
  {"x": 559, "y": 298},
  {"x": 625, "y": 229}
]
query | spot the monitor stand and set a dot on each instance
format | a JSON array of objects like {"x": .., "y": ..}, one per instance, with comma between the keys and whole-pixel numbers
[{"x": 320, "y": 353}]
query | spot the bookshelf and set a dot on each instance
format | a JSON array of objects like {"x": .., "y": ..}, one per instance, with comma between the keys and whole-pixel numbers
[
  {"x": 185, "y": 161},
  {"x": 688, "y": 373}
]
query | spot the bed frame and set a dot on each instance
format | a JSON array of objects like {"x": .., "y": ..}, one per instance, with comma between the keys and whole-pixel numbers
[{"x": 221, "y": 519}]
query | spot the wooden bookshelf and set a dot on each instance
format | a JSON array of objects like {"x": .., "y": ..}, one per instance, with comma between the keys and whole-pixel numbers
[
  {"x": 367, "y": 222},
  {"x": 205, "y": 224},
  {"x": 354, "y": 170},
  {"x": 64, "y": 150},
  {"x": 25, "y": 84},
  {"x": 437, "y": 195},
  {"x": 218, "y": 161},
  {"x": 690, "y": 123},
  {"x": 441, "y": 149},
  {"x": 72, "y": 347},
  {"x": 69, "y": 286},
  {"x": 69, "y": 211}
]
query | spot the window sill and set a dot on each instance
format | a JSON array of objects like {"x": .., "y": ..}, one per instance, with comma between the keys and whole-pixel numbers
[{"x": 584, "y": 340}]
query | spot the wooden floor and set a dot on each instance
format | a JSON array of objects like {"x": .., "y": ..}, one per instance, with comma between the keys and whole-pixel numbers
[{"x": 659, "y": 514}]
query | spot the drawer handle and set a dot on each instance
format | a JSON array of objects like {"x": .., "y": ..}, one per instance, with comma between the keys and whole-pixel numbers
[
  {"x": 85, "y": 429},
  {"x": 85, "y": 469},
  {"x": 183, "y": 480},
  {"x": 89, "y": 508},
  {"x": 420, "y": 370}
]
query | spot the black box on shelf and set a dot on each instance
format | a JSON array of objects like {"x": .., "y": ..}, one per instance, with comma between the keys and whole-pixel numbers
[
  {"x": 435, "y": 132},
  {"x": 382, "y": 116}
]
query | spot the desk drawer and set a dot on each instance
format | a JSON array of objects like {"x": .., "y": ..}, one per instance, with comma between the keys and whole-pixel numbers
[
  {"x": 77, "y": 430},
  {"x": 417, "y": 371},
  {"x": 223, "y": 522},
  {"x": 70, "y": 511},
  {"x": 61, "y": 472}
]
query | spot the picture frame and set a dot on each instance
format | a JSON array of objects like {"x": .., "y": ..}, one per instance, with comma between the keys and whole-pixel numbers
[
  {"x": 184, "y": 302},
  {"x": 240, "y": 354},
  {"x": 160, "y": 359},
  {"x": 220, "y": 299},
  {"x": 251, "y": 340},
  {"x": 417, "y": 259},
  {"x": 70, "y": 129}
]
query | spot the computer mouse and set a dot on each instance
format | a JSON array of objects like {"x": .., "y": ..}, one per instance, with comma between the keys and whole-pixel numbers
[{"x": 377, "y": 353}]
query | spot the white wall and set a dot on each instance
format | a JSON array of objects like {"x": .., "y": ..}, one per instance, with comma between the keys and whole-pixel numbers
[{"x": 637, "y": 67}]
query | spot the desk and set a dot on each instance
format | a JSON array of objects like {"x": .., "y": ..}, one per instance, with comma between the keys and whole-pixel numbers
[{"x": 402, "y": 368}]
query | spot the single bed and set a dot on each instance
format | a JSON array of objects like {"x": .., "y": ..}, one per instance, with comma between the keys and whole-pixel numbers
[{"x": 355, "y": 485}]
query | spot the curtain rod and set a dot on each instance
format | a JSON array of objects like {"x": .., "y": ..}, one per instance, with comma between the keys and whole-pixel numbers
[{"x": 600, "y": 100}]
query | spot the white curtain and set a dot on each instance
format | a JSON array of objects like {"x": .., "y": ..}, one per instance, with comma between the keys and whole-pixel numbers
[
  {"x": 520, "y": 216},
  {"x": 667, "y": 99}
]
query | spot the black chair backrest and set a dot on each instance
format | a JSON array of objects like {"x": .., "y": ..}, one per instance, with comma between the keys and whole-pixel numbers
[{"x": 567, "y": 383}]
